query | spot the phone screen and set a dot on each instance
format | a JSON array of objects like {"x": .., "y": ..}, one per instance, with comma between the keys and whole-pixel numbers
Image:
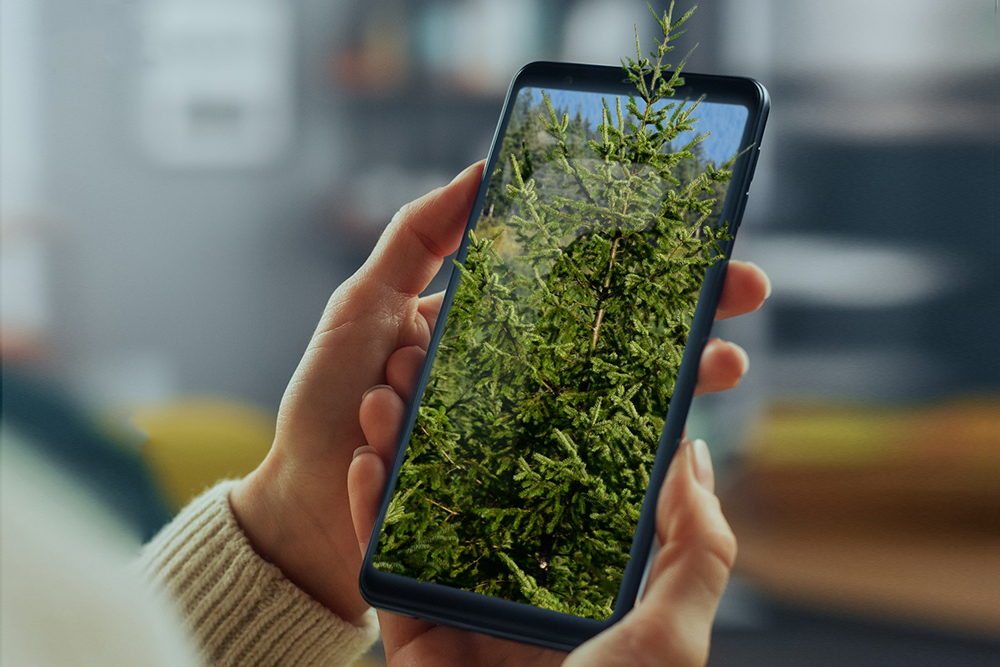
[{"x": 529, "y": 457}]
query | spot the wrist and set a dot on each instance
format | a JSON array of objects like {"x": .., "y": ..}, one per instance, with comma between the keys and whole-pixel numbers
[
  {"x": 256, "y": 514},
  {"x": 275, "y": 517}
]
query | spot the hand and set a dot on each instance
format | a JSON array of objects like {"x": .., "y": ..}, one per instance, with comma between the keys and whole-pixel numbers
[
  {"x": 672, "y": 623},
  {"x": 294, "y": 506},
  {"x": 374, "y": 331}
]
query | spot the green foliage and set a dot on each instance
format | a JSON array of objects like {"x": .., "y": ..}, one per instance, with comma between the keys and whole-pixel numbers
[{"x": 531, "y": 453}]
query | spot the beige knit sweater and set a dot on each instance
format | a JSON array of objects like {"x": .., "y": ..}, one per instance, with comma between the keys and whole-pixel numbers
[{"x": 238, "y": 608}]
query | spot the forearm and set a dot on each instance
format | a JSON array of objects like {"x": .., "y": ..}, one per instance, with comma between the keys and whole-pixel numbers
[{"x": 238, "y": 608}]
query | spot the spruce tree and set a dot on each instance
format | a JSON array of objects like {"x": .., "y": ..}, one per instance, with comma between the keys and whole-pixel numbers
[{"x": 531, "y": 452}]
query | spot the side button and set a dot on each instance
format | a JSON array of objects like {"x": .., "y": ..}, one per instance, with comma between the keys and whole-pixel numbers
[{"x": 753, "y": 170}]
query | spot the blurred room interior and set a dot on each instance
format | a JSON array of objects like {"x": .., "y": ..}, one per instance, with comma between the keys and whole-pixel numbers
[{"x": 185, "y": 182}]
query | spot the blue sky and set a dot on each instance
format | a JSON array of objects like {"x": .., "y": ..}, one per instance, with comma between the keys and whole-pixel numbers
[{"x": 724, "y": 122}]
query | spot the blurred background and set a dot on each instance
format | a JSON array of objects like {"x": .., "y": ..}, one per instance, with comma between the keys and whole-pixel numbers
[{"x": 184, "y": 183}]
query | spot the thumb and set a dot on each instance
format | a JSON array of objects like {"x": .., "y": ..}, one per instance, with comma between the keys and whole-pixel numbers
[
  {"x": 672, "y": 623},
  {"x": 422, "y": 234}
]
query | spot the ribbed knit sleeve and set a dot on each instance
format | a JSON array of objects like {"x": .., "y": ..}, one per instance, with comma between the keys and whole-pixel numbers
[{"x": 239, "y": 608}]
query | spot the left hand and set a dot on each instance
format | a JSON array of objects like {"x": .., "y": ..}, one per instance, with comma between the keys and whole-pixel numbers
[{"x": 375, "y": 331}]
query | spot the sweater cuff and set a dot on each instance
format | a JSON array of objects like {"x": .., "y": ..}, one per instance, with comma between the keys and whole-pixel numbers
[{"x": 240, "y": 609}]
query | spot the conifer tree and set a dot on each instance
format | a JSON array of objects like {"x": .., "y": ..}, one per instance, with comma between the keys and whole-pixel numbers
[{"x": 530, "y": 456}]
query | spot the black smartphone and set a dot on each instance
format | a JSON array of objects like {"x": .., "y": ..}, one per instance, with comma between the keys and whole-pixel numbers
[{"x": 561, "y": 369}]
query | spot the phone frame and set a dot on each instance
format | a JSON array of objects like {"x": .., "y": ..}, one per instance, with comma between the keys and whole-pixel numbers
[{"x": 515, "y": 620}]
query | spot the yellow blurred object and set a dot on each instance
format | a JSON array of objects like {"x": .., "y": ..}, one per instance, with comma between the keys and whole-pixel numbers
[
  {"x": 369, "y": 660},
  {"x": 193, "y": 443},
  {"x": 831, "y": 437},
  {"x": 964, "y": 432}
]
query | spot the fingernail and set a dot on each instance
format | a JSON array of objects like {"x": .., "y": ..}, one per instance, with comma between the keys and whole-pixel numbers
[
  {"x": 745, "y": 356},
  {"x": 378, "y": 386},
  {"x": 703, "y": 464},
  {"x": 363, "y": 450},
  {"x": 767, "y": 280}
]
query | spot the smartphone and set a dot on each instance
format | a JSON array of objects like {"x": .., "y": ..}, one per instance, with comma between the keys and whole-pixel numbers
[{"x": 561, "y": 369}]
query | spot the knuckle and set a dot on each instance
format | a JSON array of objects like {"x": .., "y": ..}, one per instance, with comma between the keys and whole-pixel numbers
[
  {"x": 404, "y": 212},
  {"x": 662, "y": 642}
]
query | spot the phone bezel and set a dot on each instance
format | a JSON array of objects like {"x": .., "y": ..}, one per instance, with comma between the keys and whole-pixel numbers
[{"x": 514, "y": 620}]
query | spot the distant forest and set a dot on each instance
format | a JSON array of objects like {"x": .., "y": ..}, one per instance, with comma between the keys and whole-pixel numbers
[{"x": 527, "y": 139}]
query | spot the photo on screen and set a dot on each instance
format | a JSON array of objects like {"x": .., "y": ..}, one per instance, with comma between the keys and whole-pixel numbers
[{"x": 529, "y": 459}]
